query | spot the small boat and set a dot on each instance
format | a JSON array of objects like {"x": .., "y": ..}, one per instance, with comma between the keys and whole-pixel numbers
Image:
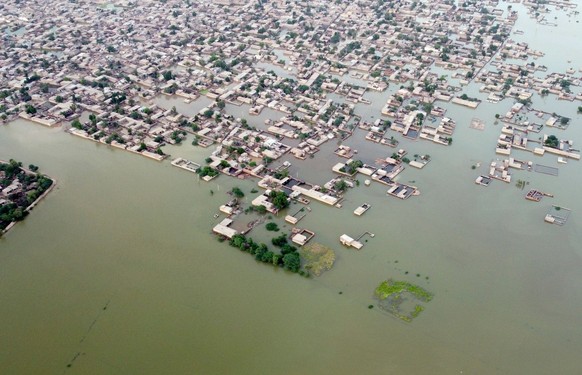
[{"x": 562, "y": 160}]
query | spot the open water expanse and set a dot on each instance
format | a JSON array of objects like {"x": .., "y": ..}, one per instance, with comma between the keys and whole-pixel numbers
[{"x": 117, "y": 272}]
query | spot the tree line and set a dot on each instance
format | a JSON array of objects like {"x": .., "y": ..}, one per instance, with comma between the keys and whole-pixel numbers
[{"x": 288, "y": 257}]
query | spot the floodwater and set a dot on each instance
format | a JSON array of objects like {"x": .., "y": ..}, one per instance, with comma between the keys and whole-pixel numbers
[{"x": 116, "y": 271}]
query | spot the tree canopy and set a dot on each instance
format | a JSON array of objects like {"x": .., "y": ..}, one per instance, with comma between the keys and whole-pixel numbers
[{"x": 279, "y": 199}]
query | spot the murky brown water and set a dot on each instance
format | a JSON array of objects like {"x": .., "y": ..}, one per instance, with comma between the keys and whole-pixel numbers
[{"x": 116, "y": 272}]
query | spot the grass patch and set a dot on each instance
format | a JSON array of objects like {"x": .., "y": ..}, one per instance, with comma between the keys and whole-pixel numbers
[
  {"x": 400, "y": 299},
  {"x": 390, "y": 287},
  {"x": 318, "y": 258}
]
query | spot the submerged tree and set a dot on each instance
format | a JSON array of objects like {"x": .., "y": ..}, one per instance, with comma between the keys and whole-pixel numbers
[{"x": 279, "y": 199}]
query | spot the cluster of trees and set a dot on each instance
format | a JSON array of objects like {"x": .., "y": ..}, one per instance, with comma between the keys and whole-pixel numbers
[
  {"x": 33, "y": 185},
  {"x": 565, "y": 84},
  {"x": 9, "y": 213},
  {"x": 207, "y": 171},
  {"x": 552, "y": 141},
  {"x": 258, "y": 209},
  {"x": 30, "y": 109},
  {"x": 351, "y": 167},
  {"x": 340, "y": 185},
  {"x": 177, "y": 136},
  {"x": 171, "y": 89},
  {"x": 117, "y": 97},
  {"x": 466, "y": 97},
  {"x": 43, "y": 183},
  {"x": 288, "y": 258},
  {"x": 102, "y": 83},
  {"x": 114, "y": 137},
  {"x": 281, "y": 174},
  {"x": 279, "y": 199},
  {"x": 352, "y": 46},
  {"x": 272, "y": 227},
  {"x": 237, "y": 192},
  {"x": 167, "y": 75},
  {"x": 11, "y": 169},
  {"x": 77, "y": 124}
]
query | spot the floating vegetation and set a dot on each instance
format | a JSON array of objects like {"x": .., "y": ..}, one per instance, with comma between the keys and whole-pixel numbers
[
  {"x": 318, "y": 258},
  {"x": 417, "y": 310},
  {"x": 402, "y": 299},
  {"x": 521, "y": 184}
]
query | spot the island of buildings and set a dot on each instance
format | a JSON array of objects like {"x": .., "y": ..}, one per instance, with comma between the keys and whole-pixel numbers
[{"x": 20, "y": 191}]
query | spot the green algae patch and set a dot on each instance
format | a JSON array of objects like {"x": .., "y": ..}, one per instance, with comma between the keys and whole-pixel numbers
[
  {"x": 318, "y": 258},
  {"x": 402, "y": 299}
]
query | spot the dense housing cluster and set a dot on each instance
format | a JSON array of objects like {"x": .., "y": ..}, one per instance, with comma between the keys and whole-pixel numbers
[{"x": 312, "y": 62}]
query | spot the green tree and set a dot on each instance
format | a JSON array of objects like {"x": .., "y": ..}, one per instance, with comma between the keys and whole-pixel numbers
[
  {"x": 207, "y": 171},
  {"x": 272, "y": 227},
  {"x": 30, "y": 109},
  {"x": 292, "y": 262},
  {"x": 340, "y": 185},
  {"x": 167, "y": 75},
  {"x": 77, "y": 124},
  {"x": 238, "y": 240},
  {"x": 286, "y": 248},
  {"x": 280, "y": 241},
  {"x": 552, "y": 141},
  {"x": 279, "y": 199},
  {"x": 260, "y": 209},
  {"x": 237, "y": 192},
  {"x": 335, "y": 38}
]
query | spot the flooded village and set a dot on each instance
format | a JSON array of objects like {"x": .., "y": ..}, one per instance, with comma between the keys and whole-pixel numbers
[
  {"x": 387, "y": 152},
  {"x": 298, "y": 60}
]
